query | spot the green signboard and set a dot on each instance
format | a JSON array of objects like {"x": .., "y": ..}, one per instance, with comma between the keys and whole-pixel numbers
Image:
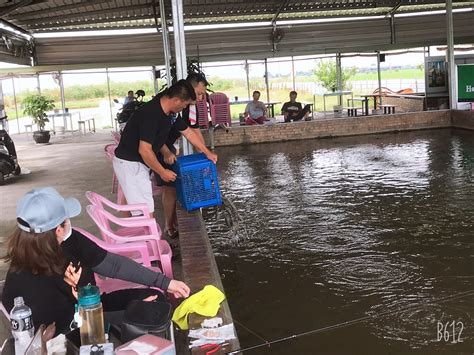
[{"x": 466, "y": 83}]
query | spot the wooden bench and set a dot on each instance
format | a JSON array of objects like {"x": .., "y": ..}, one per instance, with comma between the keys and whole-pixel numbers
[
  {"x": 82, "y": 125},
  {"x": 388, "y": 109},
  {"x": 30, "y": 127},
  {"x": 352, "y": 111},
  {"x": 363, "y": 101}
]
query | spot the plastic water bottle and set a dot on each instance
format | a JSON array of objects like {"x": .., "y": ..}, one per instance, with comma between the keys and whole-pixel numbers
[
  {"x": 90, "y": 310},
  {"x": 22, "y": 325}
]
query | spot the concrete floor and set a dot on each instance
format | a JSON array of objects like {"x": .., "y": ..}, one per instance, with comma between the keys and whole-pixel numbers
[{"x": 72, "y": 165}]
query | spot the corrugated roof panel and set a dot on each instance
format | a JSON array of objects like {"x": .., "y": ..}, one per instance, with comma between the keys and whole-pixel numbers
[
  {"x": 255, "y": 43},
  {"x": 100, "y": 13}
]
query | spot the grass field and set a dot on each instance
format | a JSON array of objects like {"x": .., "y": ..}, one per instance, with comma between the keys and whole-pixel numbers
[
  {"x": 78, "y": 96},
  {"x": 391, "y": 74}
]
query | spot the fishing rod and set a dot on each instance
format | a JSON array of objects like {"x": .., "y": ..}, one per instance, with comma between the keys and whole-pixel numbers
[{"x": 348, "y": 323}]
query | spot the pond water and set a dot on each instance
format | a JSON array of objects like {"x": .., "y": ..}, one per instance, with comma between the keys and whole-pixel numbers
[{"x": 340, "y": 229}]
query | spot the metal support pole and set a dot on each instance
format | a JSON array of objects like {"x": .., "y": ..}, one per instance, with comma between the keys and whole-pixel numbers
[
  {"x": 63, "y": 103},
  {"x": 3, "y": 112},
  {"x": 392, "y": 28},
  {"x": 247, "y": 75},
  {"x": 166, "y": 43},
  {"x": 266, "y": 81},
  {"x": 110, "y": 99},
  {"x": 38, "y": 87},
  {"x": 379, "y": 76},
  {"x": 61, "y": 91},
  {"x": 293, "y": 72},
  {"x": 339, "y": 77},
  {"x": 179, "y": 41},
  {"x": 155, "y": 80},
  {"x": 180, "y": 53},
  {"x": 450, "y": 56},
  {"x": 16, "y": 105}
]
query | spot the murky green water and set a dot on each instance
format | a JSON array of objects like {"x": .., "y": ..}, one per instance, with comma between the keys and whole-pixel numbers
[{"x": 345, "y": 228}]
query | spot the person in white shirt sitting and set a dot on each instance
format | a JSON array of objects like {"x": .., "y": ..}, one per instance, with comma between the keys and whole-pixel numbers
[{"x": 256, "y": 111}]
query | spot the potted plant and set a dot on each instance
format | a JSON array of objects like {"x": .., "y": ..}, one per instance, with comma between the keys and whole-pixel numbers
[{"x": 36, "y": 106}]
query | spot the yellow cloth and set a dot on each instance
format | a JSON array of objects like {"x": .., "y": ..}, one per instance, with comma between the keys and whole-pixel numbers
[{"x": 205, "y": 302}]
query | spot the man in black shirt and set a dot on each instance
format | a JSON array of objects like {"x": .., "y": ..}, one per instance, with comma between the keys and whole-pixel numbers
[
  {"x": 144, "y": 135},
  {"x": 293, "y": 110},
  {"x": 168, "y": 152}
]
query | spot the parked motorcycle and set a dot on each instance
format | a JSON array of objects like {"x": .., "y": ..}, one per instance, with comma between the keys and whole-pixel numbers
[
  {"x": 8, "y": 159},
  {"x": 129, "y": 108}
]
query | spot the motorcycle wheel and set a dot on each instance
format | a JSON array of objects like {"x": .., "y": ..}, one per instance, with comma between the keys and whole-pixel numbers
[
  {"x": 17, "y": 171},
  {"x": 2, "y": 178}
]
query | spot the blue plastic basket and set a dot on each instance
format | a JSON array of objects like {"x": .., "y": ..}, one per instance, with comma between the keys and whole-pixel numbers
[{"x": 196, "y": 185}]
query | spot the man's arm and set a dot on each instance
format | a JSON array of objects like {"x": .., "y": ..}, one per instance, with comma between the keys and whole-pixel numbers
[
  {"x": 148, "y": 155},
  {"x": 247, "y": 111},
  {"x": 284, "y": 111},
  {"x": 168, "y": 156},
  {"x": 199, "y": 144}
]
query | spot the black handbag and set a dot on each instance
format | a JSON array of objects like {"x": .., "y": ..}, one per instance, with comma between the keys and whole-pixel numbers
[{"x": 146, "y": 318}]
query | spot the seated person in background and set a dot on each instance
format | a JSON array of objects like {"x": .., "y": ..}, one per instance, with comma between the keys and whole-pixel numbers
[
  {"x": 256, "y": 111},
  {"x": 129, "y": 98},
  {"x": 293, "y": 110},
  {"x": 49, "y": 260}
]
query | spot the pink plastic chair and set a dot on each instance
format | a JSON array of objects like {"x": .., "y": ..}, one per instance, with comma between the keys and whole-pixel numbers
[
  {"x": 116, "y": 136},
  {"x": 158, "y": 249},
  {"x": 142, "y": 225},
  {"x": 220, "y": 109},
  {"x": 99, "y": 200},
  {"x": 136, "y": 251},
  {"x": 203, "y": 113},
  {"x": 103, "y": 203},
  {"x": 110, "y": 153}
]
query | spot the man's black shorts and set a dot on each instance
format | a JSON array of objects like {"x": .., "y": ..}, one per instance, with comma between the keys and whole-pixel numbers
[{"x": 159, "y": 180}]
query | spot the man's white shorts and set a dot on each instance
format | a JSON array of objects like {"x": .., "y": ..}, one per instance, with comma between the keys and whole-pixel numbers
[{"x": 134, "y": 179}]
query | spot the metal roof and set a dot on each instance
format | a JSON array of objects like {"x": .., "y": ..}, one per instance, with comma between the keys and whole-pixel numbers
[
  {"x": 256, "y": 42},
  {"x": 348, "y": 32},
  {"x": 65, "y": 15}
]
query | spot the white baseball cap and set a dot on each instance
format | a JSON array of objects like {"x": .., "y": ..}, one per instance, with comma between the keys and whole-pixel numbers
[{"x": 44, "y": 209}]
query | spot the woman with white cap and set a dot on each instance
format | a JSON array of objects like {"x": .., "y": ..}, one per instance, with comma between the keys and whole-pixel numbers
[{"x": 47, "y": 257}]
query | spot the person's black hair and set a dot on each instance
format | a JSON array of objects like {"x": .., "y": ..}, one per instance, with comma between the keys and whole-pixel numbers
[
  {"x": 183, "y": 90},
  {"x": 129, "y": 91},
  {"x": 293, "y": 93},
  {"x": 196, "y": 78},
  {"x": 256, "y": 92}
]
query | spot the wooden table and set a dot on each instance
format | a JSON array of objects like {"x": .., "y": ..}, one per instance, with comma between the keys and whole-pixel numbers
[
  {"x": 65, "y": 117},
  {"x": 239, "y": 102},
  {"x": 364, "y": 101},
  {"x": 271, "y": 106},
  {"x": 334, "y": 93},
  {"x": 374, "y": 97}
]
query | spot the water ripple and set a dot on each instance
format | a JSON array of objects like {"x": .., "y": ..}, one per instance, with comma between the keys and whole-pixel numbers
[{"x": 339, "y": 229}]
